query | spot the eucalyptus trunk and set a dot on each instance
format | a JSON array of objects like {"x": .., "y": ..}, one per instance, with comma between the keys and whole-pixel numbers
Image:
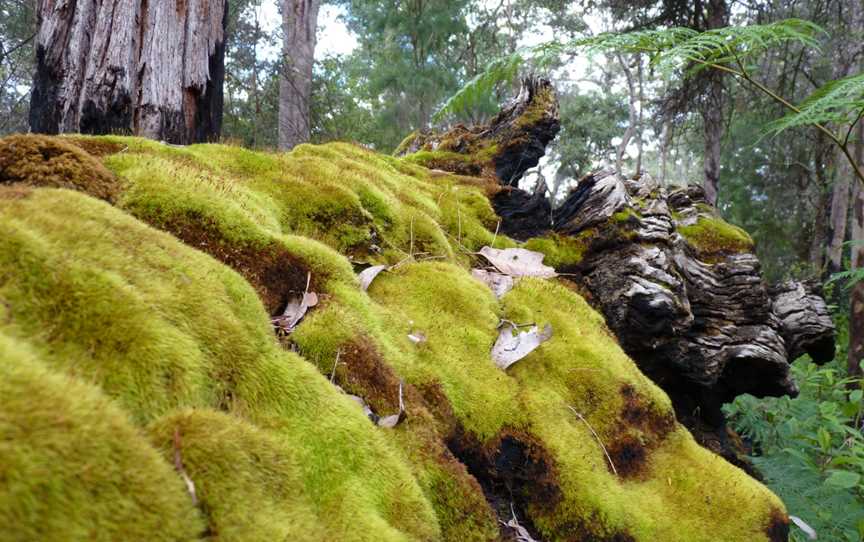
[
  {"x": 856, "y": 305},
  {"x": 299, "y": 20},
  {"x": 712, "y": 109},
  {"x": 153, "y": 68}
]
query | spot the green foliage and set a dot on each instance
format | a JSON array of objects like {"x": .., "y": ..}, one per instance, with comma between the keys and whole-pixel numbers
[
  {"x": 669, "y": 49},
  {"x": 811, "y": 448},
  {"x": 835, "y": 102},
  {"x": 589, "y": 122}
]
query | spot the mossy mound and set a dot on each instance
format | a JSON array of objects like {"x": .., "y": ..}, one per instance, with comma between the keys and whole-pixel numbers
[
  {"x": 176, "y": 348},
  {"x": 34, "y": 160},
  {"x": 713, "y": 237}
]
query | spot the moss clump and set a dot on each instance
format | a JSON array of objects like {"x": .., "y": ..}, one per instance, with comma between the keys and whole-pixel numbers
[
  {"x": 73, "y": 465},
  {"x": 159, "y": 327},
  {"x": 406, "y": 142},
  {"x": 462, "y": 164},
  {"x": 715, "y": 237},
  {"x": 561, "y": 251},
  {"x": 35, "y": 160}
]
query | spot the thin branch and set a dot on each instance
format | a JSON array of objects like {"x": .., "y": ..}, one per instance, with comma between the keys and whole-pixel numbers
[{"x": 596, "y": 436}]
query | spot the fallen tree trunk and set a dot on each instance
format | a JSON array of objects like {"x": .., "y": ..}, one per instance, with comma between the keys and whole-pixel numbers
[
  {"x": 152, "y": 68},
  {"x": 679, "y": 286}
]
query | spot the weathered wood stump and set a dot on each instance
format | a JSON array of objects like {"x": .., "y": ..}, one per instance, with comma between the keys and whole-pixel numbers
[
  {"x": 153, "y": 68},
  {"x": 679, "y": 286}
]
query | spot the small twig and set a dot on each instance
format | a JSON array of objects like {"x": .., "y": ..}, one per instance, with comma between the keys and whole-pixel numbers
[
  {"x": 596, "y": 436},
  {"x": 335, "y": 363},
  {"x": 494, "y": 237},
  {"x": 178, "y": 465},
  {"x": 514, "y": 324},
  {"x": 459, "y": 218},
  {"x": 411, "y": 250}
]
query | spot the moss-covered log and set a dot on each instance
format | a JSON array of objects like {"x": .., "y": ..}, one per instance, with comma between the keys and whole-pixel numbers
[
  {"x": 176, "y": 376},
  {"x": 679, "y": 286}
]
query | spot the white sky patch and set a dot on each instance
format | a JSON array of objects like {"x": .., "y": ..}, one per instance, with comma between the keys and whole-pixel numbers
[{"x": 334, "y": 38}]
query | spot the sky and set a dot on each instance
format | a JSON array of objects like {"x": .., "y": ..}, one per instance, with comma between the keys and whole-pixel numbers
[{"x": 334, "y": 38}]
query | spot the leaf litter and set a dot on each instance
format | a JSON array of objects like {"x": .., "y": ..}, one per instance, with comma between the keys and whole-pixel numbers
[
  {"x": 298, "y": 304},
  {"x": 510, "y": 348}
]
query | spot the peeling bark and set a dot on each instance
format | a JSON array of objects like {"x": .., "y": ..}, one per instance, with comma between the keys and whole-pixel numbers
[
  {"x": 153, "y": 68},
  {"x": 680, "y": 288}
]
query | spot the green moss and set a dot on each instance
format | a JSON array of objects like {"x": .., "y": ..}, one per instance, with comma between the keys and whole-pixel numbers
[
  {"x": 405, "y": 143},
  {"x": 179, "y": 347},
  {"x": 561, "y": 252},
  {"x": 158, "y": 326},
  {"x": 73, "y": 465},
  {"x": 714, "y": 236}
]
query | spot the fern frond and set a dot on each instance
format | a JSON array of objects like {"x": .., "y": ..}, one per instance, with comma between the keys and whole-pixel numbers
[
  {"x": 851, "y": 277},
  {"x": 833, "y": 102},
  {"x": 482, "y": 85},
  {"x": 668, "y": 49}
]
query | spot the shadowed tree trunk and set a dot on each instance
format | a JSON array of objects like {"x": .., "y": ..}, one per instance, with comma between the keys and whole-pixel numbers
[
  {"x": 839, "y": 216},
  {"x": 153, "y": 68},
  {"x": 856, "y": 314},
  {"x": 299, "y": 19},
  {"x": 712, "y": 109}
]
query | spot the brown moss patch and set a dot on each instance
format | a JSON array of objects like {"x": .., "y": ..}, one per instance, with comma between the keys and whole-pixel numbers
[
  {"x": 777, "y": 529},
  {"x": 361, "y": 371},
  {"x": 36, "y": 160},
  {"x": 514, "y": 469},
  {"x": 274, "y": 272},
  {"x": 15, "y": 191},
  {"x": 95, "y": 146},
  {"x": 643, "y": 427},
  {"x": 644, "y": 415}
]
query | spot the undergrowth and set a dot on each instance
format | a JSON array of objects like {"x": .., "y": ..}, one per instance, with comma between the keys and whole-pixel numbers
[{"x": 811, "y": 449}]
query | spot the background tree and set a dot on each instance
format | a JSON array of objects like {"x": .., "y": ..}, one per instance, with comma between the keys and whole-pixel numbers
[
  {"x": 299, "y": 26},
  {"x": 17, "y": 34},
  {"x": 153, "y": 69}
]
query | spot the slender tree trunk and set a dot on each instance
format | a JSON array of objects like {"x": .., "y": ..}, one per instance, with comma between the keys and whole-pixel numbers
[
  {"x": 839, "y": 215},
  {"x": 856, "y": 312},
  {"x": 147, "y": 67},
  {"x": 712, "y": 109},
  {"x": 633, "y": 117},
  {"x": 299, "y": 22}
]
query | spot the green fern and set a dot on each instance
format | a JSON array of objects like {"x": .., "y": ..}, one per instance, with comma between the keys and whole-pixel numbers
[
  {"x": 833, "y": 102},
  {"x": 669, "y": 49}
]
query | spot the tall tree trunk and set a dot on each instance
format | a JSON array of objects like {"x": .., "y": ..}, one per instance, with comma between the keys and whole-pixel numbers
[
  {"x": 299, "y": 21},
  {"x": 632, "y": 119},
  {"x": 856, "y": 312},
  {"x": 712, "y": 109},
  {"x": 153, "y": 68},
  {"x": 839, "y": 215}
]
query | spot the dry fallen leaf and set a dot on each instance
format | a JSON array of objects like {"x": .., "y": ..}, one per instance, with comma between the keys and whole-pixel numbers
[
  {"x": 520, "y": 533},
  {"x": 417, "y": 337},
  {"x": 368, "y": 275},
  {"x": 295, "y": 309},
  {"x": 394, "y": 419},
  {"x": 801, "y": 524},
  {"x": 518, "y": 262},
  {"x": 498, "y": 282},
  {"x": 510, "y": 348}
]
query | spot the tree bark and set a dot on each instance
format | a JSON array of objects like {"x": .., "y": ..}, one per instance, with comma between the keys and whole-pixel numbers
[
  {"x": 856, "y": 306},
  {"x": 299, "y": 20},
  {"x": 712, "y": 109},
  {"x": 839, "y": 215},
  {"x": 153, "y": 68}
]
